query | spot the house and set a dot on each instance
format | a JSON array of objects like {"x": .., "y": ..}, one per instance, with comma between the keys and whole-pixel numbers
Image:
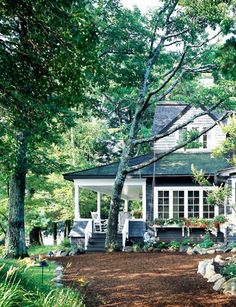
[{"x": 166, "y": 188}]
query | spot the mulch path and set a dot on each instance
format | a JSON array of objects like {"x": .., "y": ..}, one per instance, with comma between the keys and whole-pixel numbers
[{"x": 142, "y": 279}]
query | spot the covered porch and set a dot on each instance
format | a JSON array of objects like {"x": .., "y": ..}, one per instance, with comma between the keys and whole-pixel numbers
[{"x": 134, "y": 189}]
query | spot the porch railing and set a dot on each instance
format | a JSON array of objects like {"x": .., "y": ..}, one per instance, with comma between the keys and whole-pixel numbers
[
  {"x": 88, "y": 233},
  {"x": 125, "y": 233}
]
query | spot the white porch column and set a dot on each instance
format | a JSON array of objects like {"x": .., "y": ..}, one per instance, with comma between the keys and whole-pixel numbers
[
  {"x": 126, "y": 207},
  {"x": 144, "y": 201},
  {"x": 99, "y": 205},
  {"x": 77, "y": 211}
]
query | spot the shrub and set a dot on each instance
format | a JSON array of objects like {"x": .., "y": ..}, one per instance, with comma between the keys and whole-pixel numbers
[
  {"x": 174, "y": 245},
  {"x": 186, "y": 242},
  {"x": 229, "y": 270},
  {"x": 136, "y": 247},
  {"x": 207, "y": 242},
  {"x": 65, "y": 243}
]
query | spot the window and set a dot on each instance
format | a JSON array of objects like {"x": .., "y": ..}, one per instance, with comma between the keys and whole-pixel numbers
[
  {"x": 178, "y": 204},
  {"x": 204, "y": 140},
  {"x": 163, "y": 204},
  {"x": 208, "y": 210},
  {"x": 193, "y": 203}
]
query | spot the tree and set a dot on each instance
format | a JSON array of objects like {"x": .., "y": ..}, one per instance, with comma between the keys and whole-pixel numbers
[
  {"x": 46, "y": 49},
  {"x": 147, "y": 70}
]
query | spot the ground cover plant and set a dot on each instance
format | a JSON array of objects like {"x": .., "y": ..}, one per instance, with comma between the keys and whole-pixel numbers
[{"x": 21, "y": 285}]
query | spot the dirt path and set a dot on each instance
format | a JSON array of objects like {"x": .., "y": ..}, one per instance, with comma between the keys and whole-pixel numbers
[{"x": 143, "y": 279}]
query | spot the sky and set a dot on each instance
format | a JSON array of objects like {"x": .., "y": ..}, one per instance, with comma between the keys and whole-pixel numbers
[{"x": 143, "y": 5}]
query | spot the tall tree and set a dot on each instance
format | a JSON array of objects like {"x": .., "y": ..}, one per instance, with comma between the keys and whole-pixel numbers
[
  {"x": 46, "y": 49},
  {"x": 146, "y": 60}
]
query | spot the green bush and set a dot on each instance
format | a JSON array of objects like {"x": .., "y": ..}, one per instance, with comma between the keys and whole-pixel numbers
[
  {"x": 207, "y": 242},
  {"x": 229, "y": 270},
  {"x": 174, "y": 245},
  {"x": 136, "y": 247},
  {"x": 65, "y": 243},
  {"x": 186, "y": 242}
]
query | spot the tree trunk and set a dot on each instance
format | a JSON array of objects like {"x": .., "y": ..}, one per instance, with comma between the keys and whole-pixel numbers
[
  {"x": 35, "y": 236},
  {"x": 54, "y": 233},
  {"x": 15, "y": 243},
  {"x": 67, "y": 228},
  {"x": 112, "y": 227}
]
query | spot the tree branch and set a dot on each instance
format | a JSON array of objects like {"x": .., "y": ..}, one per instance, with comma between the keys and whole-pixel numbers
[
  {"x": 159, "y": 157},
  {"x": 180, "y": 126}
]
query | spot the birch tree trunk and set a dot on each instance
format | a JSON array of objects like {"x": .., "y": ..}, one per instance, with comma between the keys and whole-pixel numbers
[{"x": 15, "y": 243}]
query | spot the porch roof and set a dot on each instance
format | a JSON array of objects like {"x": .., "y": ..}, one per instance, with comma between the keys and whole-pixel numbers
[{"x": 176, "y": 164}]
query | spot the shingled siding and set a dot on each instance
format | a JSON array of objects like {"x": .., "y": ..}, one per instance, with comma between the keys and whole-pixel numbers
[
  {"x": 136, "y": 229},
  {"x": 215, "y": 135}
]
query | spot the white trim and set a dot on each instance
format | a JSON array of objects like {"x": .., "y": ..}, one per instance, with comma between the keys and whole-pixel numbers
[
  {"x": 99, "y": 205},
  {"x": 77, "y": 210},
  {"x": 107, "y": 182},
  {"x": 144, "y": 201},
  {"x": 180, "y": 188}
]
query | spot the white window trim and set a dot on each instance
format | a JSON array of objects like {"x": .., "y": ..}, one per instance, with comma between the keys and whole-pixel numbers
[{"x": 185, "y": 189}]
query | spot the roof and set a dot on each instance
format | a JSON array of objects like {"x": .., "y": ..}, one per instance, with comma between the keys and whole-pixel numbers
[
  {"x": 167, "y": 113},
  {"x": 175, "y": 164}
]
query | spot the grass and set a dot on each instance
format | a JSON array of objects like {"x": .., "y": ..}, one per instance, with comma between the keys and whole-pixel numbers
[
  {"x": 22, "y": 286},
  {"x": 41, "y": 250}
]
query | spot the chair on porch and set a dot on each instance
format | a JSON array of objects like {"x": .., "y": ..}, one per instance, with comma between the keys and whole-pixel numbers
[{"x": 122, "y": 217}]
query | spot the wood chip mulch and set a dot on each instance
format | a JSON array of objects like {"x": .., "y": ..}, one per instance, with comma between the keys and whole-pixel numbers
[{"x": 141, "y": 279}]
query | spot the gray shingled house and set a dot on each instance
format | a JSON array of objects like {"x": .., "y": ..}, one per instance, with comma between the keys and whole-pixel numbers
[{"x": 166, "y": 188}]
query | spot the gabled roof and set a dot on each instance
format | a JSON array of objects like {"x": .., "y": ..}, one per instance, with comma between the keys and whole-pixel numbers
[
  {"x": 176, "y": 164},
  {"x": 167, "y": 113}
]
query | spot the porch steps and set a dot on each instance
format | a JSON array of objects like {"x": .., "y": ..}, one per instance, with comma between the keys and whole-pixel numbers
[{"x": 97, "y": 242}]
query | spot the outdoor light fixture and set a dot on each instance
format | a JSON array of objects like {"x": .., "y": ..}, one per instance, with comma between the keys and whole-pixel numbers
[{"x": 43, "y": 264}]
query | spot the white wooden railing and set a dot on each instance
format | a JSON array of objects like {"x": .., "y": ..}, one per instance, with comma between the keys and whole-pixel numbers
[
  {"x": 125, "y": 233},
  {"x": 88, "y": 233}
]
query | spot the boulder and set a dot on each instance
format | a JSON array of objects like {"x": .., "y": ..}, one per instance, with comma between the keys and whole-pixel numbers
[
  {"x": 219, "y": 259},
  {"x": 58, "y": 285},
  {"x": 57, "y": 278},
  {"x": 65, "y": 253},
  {"x": 183, "y": 248},
  {"x": 59, "y": 268},
  {"x": 202, "y": 266},
  {"x": 233, "y": 250},
  {"x": 190, "y": 251},
  {"x": 209, "y": 271},
  {"x": 227, "y": 249},
  {"x": 214, "y": 278},
  {"x": 211, "y": 251},
  {"x": 218, "y": 284},
  {"x": 128, "y": 249},
  {"x": 230, "y": 286}
]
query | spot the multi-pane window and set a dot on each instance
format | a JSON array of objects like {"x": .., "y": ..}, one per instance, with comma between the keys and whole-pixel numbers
[
  {"x": 208, "y": 210},
  {"x": 193, "y": 203},
  {"x": 178, "y": 204},
  {"x": 163, "y": 204},
  {"x": 204, "y": 140}
]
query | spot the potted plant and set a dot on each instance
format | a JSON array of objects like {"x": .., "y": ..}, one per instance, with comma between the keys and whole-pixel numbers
[{"x": 219, "y": 219}]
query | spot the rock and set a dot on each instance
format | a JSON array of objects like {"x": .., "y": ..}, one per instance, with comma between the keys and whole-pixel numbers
[
  {"x": 156, "y": 249},
  {"x": 218, "y": 284},
  {"x": 211, "y": 251},
  {"x": 220, "y": 260},
  {"x": 227, "y": 249},
  {"x": 230, "y": 286},
  {"x": 190, "y": 251},
  {"x": 202, "y": 266},
  {"x": 64, "y": 253},
  {"x": 183, "y": 248},
  {"x": 128, "y": 249},
  {"x": 209, "y": 271},
  {"x": 233, "y": 250},
  {"x": 59, "y": 268},
  {"x": 59, "y": 285},
  {"x": 57, "y": 278},
  {"x": 57, "y": 253},
  {"x": 198, "y": 250},
  {"x": 214, "y": 278}
]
